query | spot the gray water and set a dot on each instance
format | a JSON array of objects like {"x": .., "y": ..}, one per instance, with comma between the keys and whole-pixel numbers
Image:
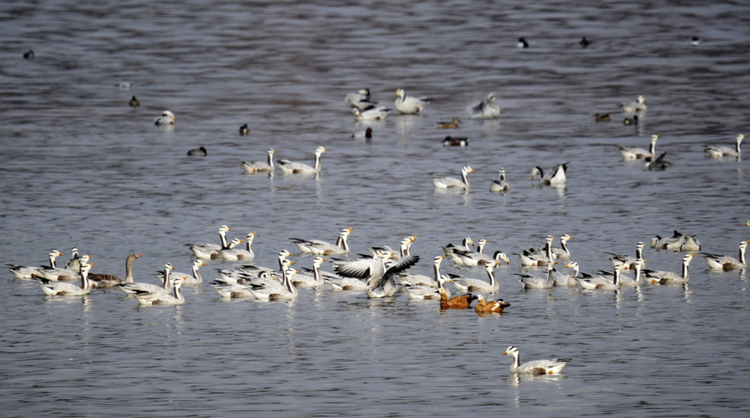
[{"x": 81, "y": 168}]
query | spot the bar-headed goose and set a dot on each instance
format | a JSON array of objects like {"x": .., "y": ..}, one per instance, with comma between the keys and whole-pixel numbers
[
  {"x": 289, "y": 167},
  {"x": 635, "y": 153},
  {"x": 260, "y": 166},
  {"x": 324, "y": 248},
  {"x": 554, "y": 178},
  {"x": 56, "y": 288},
  {"x": 727, "y": 263},
  {"x": 409, "y": 105},
  {"x": 444, "y": 182},
  {"x": 536, "y": 367},
  {"x": 718, "y": 152}
]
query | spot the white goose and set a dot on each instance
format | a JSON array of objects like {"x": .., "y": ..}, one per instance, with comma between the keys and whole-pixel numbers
[
  {"x": 325, "y": 248},
  {"x": 274, "y": 291},
  {"x": 372, "y": 114},
  {"x": 639, "y": 106},
  {"x": 598, "y": 281},
  {"x": 727, "y": 263},
  {"x": 486, "y": 109},
  {"x": 301, "y": 281},
  {"x": 634, "y": 153},
  {"x": 55, "y": 288},
  {"x": 259, "y": 166},
  {"x": 536, "y": 367},
  {"x": 422, "y": 280},
  {"x": 718, "y": 152},
  {"x": 289, "y": 167},
  {"x": 442, "y": 182},
  {"x": 409, "y": 105},
  {"x": 108, "y": 281},
  {"x": 25, "y": 273},
  {"x": 529, "y": 281},
  {"x": 193, "y": 278},
  {"x": 167, "y": 118},
  {"x": 465, "y": 284},
  {"x": 166, "y": 287},
  {"x": 421, "y": 292},
  {"x": 555, "y": 178},
  {"x": 668, "y": 277},
  {"x": 536, "y": 257},
  {"x": 246, "y": 254},
  {"x": 60, "y": 274},
  {"x": 210, "y": 251},
  {"x": 500, "y": 186},
  {"x": 565, "y": 279},
  {"x": 147, "y": 298}
]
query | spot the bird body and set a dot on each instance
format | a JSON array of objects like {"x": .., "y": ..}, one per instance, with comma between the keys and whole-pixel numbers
[
  {"x": 470, "y": 285},
  {"x": 634, "y": 153},
  {"x": 630, "y": 107},
  {"x": 289, "y": 167},
  {"x": 167, "y": 118},
  {"x": 555, "y": 177},
  {"x": 325, "y": 248},
  {"x": 409, "y": 105},
  {"x": 486, "y": 109},
  {"x": 442, "y": 182},
  {"x": 719, "y": 152},
  {"x": 536, "y": 367},
  {"x": 252, "y": 167},
  {"x": 500, "y": 186},
  {"x": 57, "y": 288},
  {"x": 669, "y": 277},
  {"x": 106, "y": 281},
  {"x": 727, "y": 263}
]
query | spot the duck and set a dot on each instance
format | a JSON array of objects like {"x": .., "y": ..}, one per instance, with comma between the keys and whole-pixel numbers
[
  {"x": 166, "y": 286},
  {"x": 522, "y": 43},
  {"x": 198, "y": 152},
  {"x": 56, "y": 288},
  {"x": 303, "y": 281},
  {"x": 289, "y": 167},
  {"x": 360, "y": 100},
  {"x": 534, "y": 257},
  {"x": 244, "y": 130},
  {"x": 325, "y": 248},
  {"x": 252, "y": 167},
  {"x": 167, "y": 118},
  {"x": 71, "y": 272},
  {"x": 500, "y": 186},
  {"x": 469, "y": 285},
  {"x": 210, "y": 251},
  {"x": 490, "y": 306},
  {"x": 134, "y": 102},
  {"x": 409, "y": 105},
  {"x": 246, "y": 254},
  {"x": 536, "y": 367},
  {"x": 422, "y": 292},
  {"x": 193, "y": 278},
  {"x": 634, "y": 153},
  {"x": 529, "y": 281},
  {"x": 386, "y": 285},
  {"x": 486, "y": 109},
  {"x": 630, "y": 121},
  {"x": 630, "y": 107},
  {"x": 108, "y": 281},
  {"x": 29, "y": 55},
  {"x": 26, "y": 273},
  {"x": 584, "y": 42},
  {"x": 273, "y": 291},
  {"x": 628, "y": 262},
  {"x": 718, "y": 152},
  {"x": 659, "y": 163},
  {"x": 366, "y": 134},
  {"x": 668, "y": 277},
  {"x": 555, "y": 178},
  {"x": 372, "y": 114},
  {"x": 564, "y": 279},
  {"x": 601, "y": 117},
  {"x": 442, "y": 182},
  {"x": 727, "y": 263},
  {"x": 449, "y": 125},
  {"x": 147, "y": 298},
  {"x": 696, "y": 41},
  {"x": 456, "y": 141},
  {"x": 601, "y": 281},
  {"x": 456, "y": 302}
]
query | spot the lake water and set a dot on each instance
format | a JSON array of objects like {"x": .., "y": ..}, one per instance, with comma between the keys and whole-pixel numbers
[{"x": 79, "y": 167}]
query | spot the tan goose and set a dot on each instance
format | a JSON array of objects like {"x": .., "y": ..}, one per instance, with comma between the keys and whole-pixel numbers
[{"x": 108, "y": 281}]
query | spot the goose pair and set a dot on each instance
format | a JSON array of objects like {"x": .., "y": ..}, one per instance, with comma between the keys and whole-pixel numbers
[
  {"x": 536, "y": 367},
  {"x": 466, "y": 257},
  {"x": 727, "y": 263},
  {"x": 442, "y": 182},
  {"x": 719, "y": 152},
  {"x": 409, "y": 105},
  {"x": 246, "y": 254},
  {"x": 634, "y": 153},
  {"x": 193, "y": 278},
  {"x": 486, "y": 109},
  {"x": 554, "y": 178},
  {"x": 677, "y": 242},
  {"x": 71, "y": 272},
  {"x": 324, "y": 248},
  {"x": 272, "y": 290}
]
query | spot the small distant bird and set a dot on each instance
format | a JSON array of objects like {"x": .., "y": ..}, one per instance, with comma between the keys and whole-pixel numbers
[
  {"x": 631, "y": 121},
  {"x": 244, "y": 130},
  {"x": 200, "y": 152},
  {"x": 584, "y": 42},
  {"x": 367, "y": 134},
  {"x": 697, "y": 41},
  {"x": 134, "y": 102},
  {"x": 449, "y": 125},
  {"x": 601, "y": 117},
  {"x": 451, "y": 141},
  {"x": 29, "y": 55},
  {"x": 522, "y": 43}
]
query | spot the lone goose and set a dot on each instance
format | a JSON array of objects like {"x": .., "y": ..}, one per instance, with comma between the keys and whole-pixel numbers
[
  {"x": 562, "y": 253},
  {"x": 718, "y": 152},
  {"x": 727, "y": 263},
  {"x": 634, "y": 153},
  {"x": 630, "y": 107},
  {"x": 259, "y": 166},
  {"x": 465, "y": 284},
  {"x": 442, "y": 182},
  {"x": 368, "y": 270},
  {"x": 409, "y": 105},
  {"x": 555, "y": 178},
  {"x": 53, "y": 288},
  {"x": 301, "y": 281},
  {"x": 668, "y": 277},
  {"x": 167, "y": 118},
  {"x": 387, "y": 285},
  {"x": 536, "y": 367},
  {"x": 289, "y": 167},
  {"x": 325, "y": 248},
  {"x": 25, "y": 273},
  {"x": 490, "y": 306},
  {"x": 107, "y": 281},
  {"x": 166, "y": 287},
  {"x": 532, "y": 282},
  {"x": 500, "y": 186},
  {"x": 486, "y": 109}
]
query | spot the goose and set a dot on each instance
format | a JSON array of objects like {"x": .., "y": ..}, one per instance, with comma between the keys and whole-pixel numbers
[
  {"x": 25, "y": 273},
  {"x": 534, "y": 257},
  {"x": 247, "y": 254},
  {"x": 480, "y": 259},
  {"x": 465, "y": 246},
  {"x": 555, "y": 178},
  {"x": 630, "y": 107},
  {"x": 673, "y": 243},
  {"x": 691, "y": 244},
  {"x": 60, "y": 274},
  {"x": 598, "y": 281},
  {"x": 166, "y": 287},
  {"x": 465, "y": 284},
  {"x": 536, "y": 367},
  {"x": 659, "y": 163},
  {"x": 486, "y": 109},
  {"x": 601, "y": 117},
  {"x": 718, "y": 152},
  {"x": 372, "y": 114},
  {"x": 193, "y": 278},
  {"x": 210, "y": 251},
  {"x": 252, "y": 167},
  {"x": 198, "y": 152},
  {"x": 423, "y": 292},
  {"x": 107, "y": 281},
  {"x": 325, "y": 248},
  {"x": 134, "y": 102},
  {"x": 274, "y": 291},
  {"x": 231, "y": 290},
  {"x": 422, "y": 280},
  {"x": 147, "y": 298},
  {"x": 456, "y": 141},
  {"x": 56, "y": 288},
  {"x": 409, "y": 105},
  {"x": 360, "y": 100},
  {"x": 244, "y": 130},
  {"x": 456, "y": 302},
  {"x": 562, "y": 253},
  {"x": 563, "y": 279},
  {"x": 533, "y": 282},
  {"x": 302, "y": 281},
  {"x": 500, "y": 186},
  {"x": 634, "y": 153},
  {"x": 367, "y": 269},
  {"x": 626, "y": 281},
  {"x": 289, "y": 167},
  {"x": 463, "y": 254},
  {"x": 441, "y": 182},
  {"x": 449, "y": 125},
  {"x": 490, "y": 306},
  {"x": 725, "y": 262},
  {"x": 386, "y": 285},
  {"x": 253, "y": 270},
  {"x": 668, "y": 277},
  {"x": 522, "y": 43},
  {"x": 628, "y": 262},
  {"x": 216, "y": 255},
  {"x": 74, "y": 263},
  {"x": 167, "y": 118}
]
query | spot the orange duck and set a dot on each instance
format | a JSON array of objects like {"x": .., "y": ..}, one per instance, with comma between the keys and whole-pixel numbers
[
  {"x": 456, "y": 302},
  {"x": 493, "y": 306}
]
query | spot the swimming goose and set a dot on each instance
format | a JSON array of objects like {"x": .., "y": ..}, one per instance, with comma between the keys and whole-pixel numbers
[
  {"x": 372, "y": 114},
  {"x": 423, "y": 292},
  {"x": 302, "y": 281},
  {"x": 60, "y": 274},
  {"x": 386, "y": 285},
  {"x": 409, "y": 105},
  {"x": 522, "y": 43},
  {"x": 360, "y": 100},
  {"x": 422, "y": 280},
  {"x": 198, "y": 152},
  {"x": 480, "y": 259},
  {"x": 486, "y": 109},
  {"x": 691, "y": 244},
  {"x": 442, "y": 182},
  {"x": 536, "y": 257},
  {"x": 490, "y": 306},
  {"x": 562, "y": 253},
  {"x": 274, "y": 291},
  {"x": 630, "y": 107},
  {"x": 26, "y": 273},
  {"x": 673, "y": 243},
  {"x": 555, "y": 178},
  {"x": 244, "y": 130},
  {"x": 147, "y": 298},
  {"x": 325, "y": 248},
  {"x": 74, "y": 263},
  {"x": 193, "y": 278},
  {"x": 465, "y": 284},
  {"x": 463, "y": 254},
  {"x": 108, "y": 281},
  {"x": 668, "y": 277},
  {"x": 259, "y": 166},
  {"x": 536, "y": 367},
  {"x": 599, "y": 281},
  {"x": 501, "y": 185},
  {"x": 634, "y": 153},
  {"x": 449, "y": 125},
  {"x": 601, "y": 117},
  {"x": 253, "y": 270},
  {"x": 166, "y": 287},
  {"x": 246, "y": 254},
  {"x": 637, "y": 281},
  {"x": 627, "y": 261},
  {"x": 231, "y": 290},
  {"x": 210, "y": 251},
  {"x": 289, "y": 167},
  {"x": 529, "y": 281},
  {"x": 456, "y": 302},
  {"x": 658, "y": 164},
  {"x": 465, "y": 246},
  {"x": 134, "y": 102},
  {"x": 725, "y": 262},
  {"x": 55, "y": 288},
  {"x": 718, "y": 152},
  {"x": 367, "y": 269},
  {"x": 564, "y": 279},
  {"x": 456, "y": 141},
  {"x": 167, "y": 118}
]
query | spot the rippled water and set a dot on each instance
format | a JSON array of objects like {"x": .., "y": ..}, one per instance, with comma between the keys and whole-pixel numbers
[{"x": 81, "y": 168}]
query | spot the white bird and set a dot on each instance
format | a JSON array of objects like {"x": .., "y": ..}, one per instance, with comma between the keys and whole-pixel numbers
[
  {"x": 555, "y": 178},
  {"x": 211, "y": 251},
  {"x": 246, "y": 254},
  {"x": 668, "y": 277},
  {"x": 536, "y": 257},
  {"x": 422, "y": 292},
  {"x": 471, "y": 259},
  {"x": 562, "y": 253},
  {"x": 359, "y": 100},
  {"x": 167, "y": 118},
  {"x": 500, "y": 186},
  {"x": 166, "y": 287},
  {"x": 260, "y": 166},
  {"x": 409, "y": 105},
  {"x": 386, "y": 284},
  {"x": 599, "y": 281},
  {"x": 536, "y": 367},
  {"x": 627, "y": 261},
  {"x": 422, "y": 280},
  {"x": 727, "y": 263},
  {"x": 566, "y": 279},
  {"x": 325, "y": 248},
  {"x": 637, "y": 281},
  {"x": 529, "y": 281},
  {"x": 442, "y": 182},
  {"x": 252, "y": 270},
  {"x": 55, "y": 288},
  {"x": 465, "y": 284},
  {"x": 60, "y": 274},
  {"x": 635, "y": 153},
  {"x": 273, "y": 290},
  {"x": 107, "y": 281},
  {"x": 301, "y": 281},
  {"x": 718, "y": 152},
  {"x": 25, "y": 273},
  {"x": 147, "y": 298},
  {"x": 630, "y": 107},
  {"x": 486, "y": 109},
  {"x": 289, "y": 167},
  {"x": 372, "y": 114},
  {"x": 193, "y": 278}
]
